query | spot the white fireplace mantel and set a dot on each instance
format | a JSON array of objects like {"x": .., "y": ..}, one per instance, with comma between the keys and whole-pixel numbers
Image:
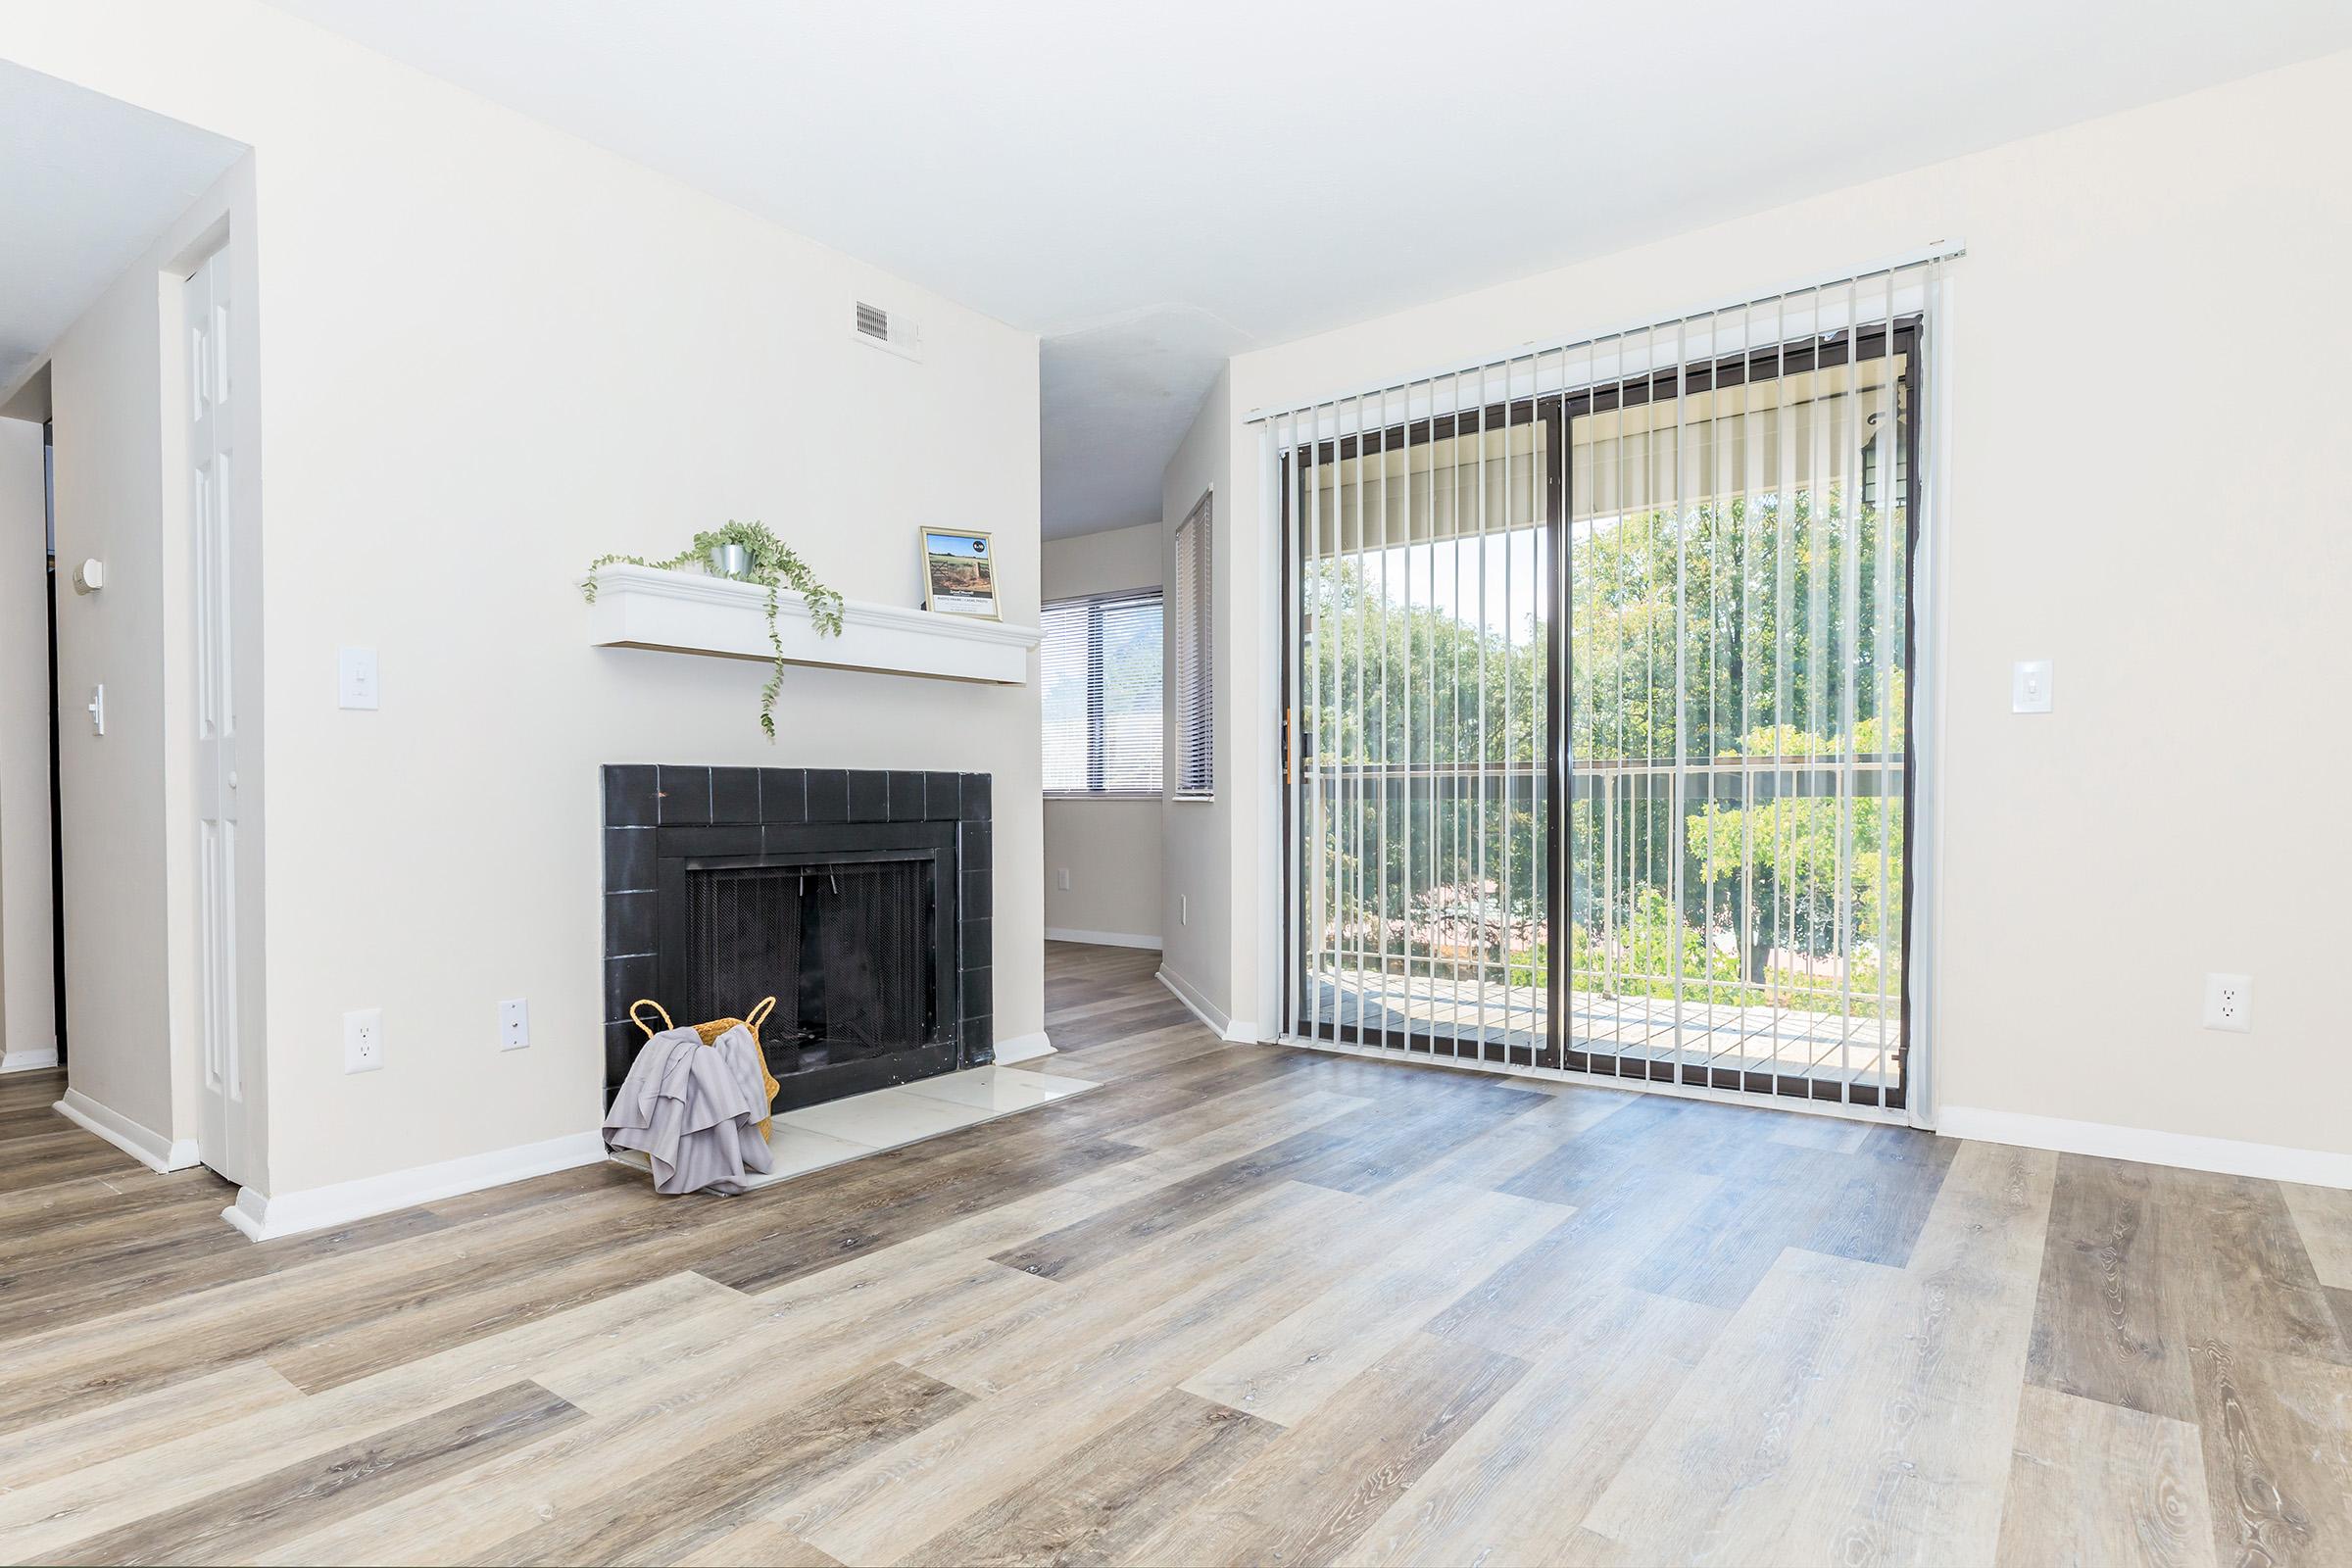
[{"x": 690, "y": 612}]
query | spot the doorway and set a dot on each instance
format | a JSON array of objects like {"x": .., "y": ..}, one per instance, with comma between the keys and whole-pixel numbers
[{"x": 1598, "y": 676}]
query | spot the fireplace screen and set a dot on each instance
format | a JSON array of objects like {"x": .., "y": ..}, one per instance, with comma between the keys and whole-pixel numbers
[{"x": 845, "y": 948}]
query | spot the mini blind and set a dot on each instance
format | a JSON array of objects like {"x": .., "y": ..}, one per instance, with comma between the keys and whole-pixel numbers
[
  {"x": 1100, "y": 665},
  {"x": 1195, "y": 651}
]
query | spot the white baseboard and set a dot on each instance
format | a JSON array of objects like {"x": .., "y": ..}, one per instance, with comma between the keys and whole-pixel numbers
[
  {"x": 1101, "y": 938},
  {"x": 1023, "y": 1047},
  {"x": 264, "y": 1218},
  {"x": 46, "y": 1056},
  {"x": 2313, "y": 1167},
  {"x": 145, "y": 1144},
  {"x": 1207, "y": 1012}
]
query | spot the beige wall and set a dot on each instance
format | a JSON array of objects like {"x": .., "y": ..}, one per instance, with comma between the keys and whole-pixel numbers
[
  {"x": 28, "y": 990},
  {"x": 104, "y": 390},
  {"x": 2147, "y": 485},
  {"x": 1111, "y": 847},
  {"x": 492, "y": 352},
  {"x": 1198, "y": 927}
]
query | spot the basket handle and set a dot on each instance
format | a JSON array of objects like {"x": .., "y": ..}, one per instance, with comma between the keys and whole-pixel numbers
[
  {"x": 766, "y": 1005},
  {"x": 648, "y": 1002}
]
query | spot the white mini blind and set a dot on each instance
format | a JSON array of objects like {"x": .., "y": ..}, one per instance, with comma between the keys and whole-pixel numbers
[
  {"x": 1195, "y": 651},
  {"x": 1100, "y": 666}
]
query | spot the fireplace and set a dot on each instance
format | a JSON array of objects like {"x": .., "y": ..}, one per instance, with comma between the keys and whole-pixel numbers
[{"x": 860, "y": 901}]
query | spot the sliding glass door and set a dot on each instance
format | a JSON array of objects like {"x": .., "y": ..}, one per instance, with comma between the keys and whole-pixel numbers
[{"x": 1595, "y": 725}]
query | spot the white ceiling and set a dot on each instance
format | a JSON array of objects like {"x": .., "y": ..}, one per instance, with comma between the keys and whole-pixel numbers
[
  {"x": 1153, "y": 185},
  {"x": 87, "y": 184}
]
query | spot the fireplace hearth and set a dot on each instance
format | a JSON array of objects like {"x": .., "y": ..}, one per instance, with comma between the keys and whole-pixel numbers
[{"x": 858, "y": 899}]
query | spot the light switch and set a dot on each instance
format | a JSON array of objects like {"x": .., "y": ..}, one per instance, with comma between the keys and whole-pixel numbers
[
  {"x": 2030, "y": 686},
  {"x": 357, "y": 666}
]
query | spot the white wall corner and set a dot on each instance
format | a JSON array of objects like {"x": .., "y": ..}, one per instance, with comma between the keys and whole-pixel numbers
[
  {"x": 145, "y": 1144},
  {"x": 1238, "y": 1033},
  {"x": 2228, "y": 1156},
  {"x": 1101, "y": 938},
  {"x": 33, "y": 1061},
  {"x": 263, "y": 1217},
  {"x": 1023, "y": 1047}
]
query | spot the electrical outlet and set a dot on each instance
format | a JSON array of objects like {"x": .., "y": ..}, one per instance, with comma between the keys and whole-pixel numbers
[
  {"x": 1063, "y": 879},
  {"x": 2229, "y": 1003},
  {"x": 514, "y": 1024},
  {"x": 364, "y": 1040}
]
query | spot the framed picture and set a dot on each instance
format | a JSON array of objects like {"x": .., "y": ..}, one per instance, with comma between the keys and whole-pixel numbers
[{"x": 960, "y": 573}]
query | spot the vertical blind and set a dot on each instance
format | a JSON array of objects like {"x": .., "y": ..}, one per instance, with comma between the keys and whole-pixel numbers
[
  {"x": 1100, "y": 667},
  {"x": 1595, "y": 683},
  {"x": 1195, "y": 649}
]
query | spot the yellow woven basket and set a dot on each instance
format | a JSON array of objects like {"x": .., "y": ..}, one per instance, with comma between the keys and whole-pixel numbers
[{"x": 710, "y": 1032}]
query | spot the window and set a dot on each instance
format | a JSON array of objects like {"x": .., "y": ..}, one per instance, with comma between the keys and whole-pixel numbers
[
  {"x": 1196, "y": 654},
  {"x": 1100, "y": 672}
]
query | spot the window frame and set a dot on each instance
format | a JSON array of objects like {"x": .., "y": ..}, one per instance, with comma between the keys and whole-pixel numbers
[{"x": 1095, "y": 605}]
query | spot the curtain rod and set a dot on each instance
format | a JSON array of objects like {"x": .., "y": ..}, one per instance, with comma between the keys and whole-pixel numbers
[{"x": 1940, "y": 250}]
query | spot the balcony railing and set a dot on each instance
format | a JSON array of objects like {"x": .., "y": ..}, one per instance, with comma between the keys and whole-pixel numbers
[{"x": 1680, "y": 962}]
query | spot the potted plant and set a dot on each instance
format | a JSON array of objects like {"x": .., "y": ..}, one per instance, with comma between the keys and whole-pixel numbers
[{"x": 764, "y": 560}]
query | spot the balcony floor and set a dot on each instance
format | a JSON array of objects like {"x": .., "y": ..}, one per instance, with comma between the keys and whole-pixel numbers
[{"x": 1820, "y": 1047}]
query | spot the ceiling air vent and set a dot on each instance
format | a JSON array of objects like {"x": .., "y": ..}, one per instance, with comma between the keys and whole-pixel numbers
[{"x": 878, "y": 326}]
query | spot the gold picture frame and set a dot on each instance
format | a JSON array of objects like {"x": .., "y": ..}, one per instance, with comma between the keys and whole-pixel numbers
[{"x": 959, "y": 572}]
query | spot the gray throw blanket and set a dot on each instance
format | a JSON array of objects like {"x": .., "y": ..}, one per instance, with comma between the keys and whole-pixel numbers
[{"x": 694, "y": 1111}]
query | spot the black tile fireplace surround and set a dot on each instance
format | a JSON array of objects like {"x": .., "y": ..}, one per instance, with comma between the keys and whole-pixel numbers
[{"x": 860, "y": 899}]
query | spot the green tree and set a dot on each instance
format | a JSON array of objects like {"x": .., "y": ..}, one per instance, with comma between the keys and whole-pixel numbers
[{"x": 1719, "y": 653}]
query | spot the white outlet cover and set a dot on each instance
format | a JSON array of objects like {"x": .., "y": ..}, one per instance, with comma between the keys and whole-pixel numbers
[
  {"x": 514, "y": 1024},
  {"x": 2229, "y": 1003},
  {"x": 364, "y": 1040}
]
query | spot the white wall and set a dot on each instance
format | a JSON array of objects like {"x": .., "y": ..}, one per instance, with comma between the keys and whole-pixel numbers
[
  {"x": 1110, "y": 846},
  {"x": 492, "y": 352},
  {"x": 27, "y": 987},
  {"x": 2148, "y": 485}
]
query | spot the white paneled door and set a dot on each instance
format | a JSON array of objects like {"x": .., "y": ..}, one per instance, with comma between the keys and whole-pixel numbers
[{"x": 211, "y": 555}]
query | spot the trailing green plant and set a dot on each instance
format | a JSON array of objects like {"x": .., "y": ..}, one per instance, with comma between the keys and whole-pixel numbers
[{"x": 774, "y": 566}]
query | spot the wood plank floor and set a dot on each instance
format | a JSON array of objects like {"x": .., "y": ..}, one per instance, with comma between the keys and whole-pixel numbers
[{"x": 1237, "y": 1304}]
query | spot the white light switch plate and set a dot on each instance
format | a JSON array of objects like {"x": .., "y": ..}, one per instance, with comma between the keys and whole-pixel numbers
[
  {"x": 356, "y": 671},
  {"x": 2030, "y": 686}
]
